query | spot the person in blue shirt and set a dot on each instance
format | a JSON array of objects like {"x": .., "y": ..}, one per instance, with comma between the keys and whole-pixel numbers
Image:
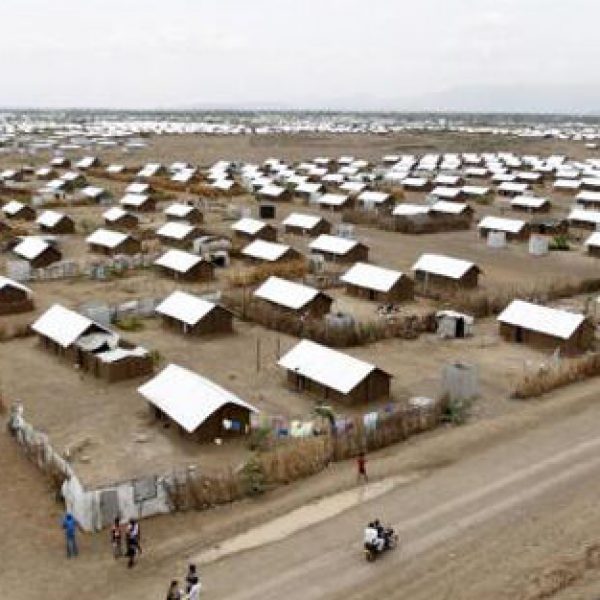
[{"x": 69, "y": 524}]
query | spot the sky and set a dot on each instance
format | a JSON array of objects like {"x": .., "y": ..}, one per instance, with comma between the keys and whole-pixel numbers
[{"x": 353, "y": 54}]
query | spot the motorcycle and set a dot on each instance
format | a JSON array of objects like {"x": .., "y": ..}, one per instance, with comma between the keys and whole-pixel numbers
[{"x": 390, "y": 541}]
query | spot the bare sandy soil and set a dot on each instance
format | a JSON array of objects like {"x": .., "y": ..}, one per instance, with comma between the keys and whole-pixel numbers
[
  {"x": 482, "y": 510},
  {"x": 491, "y": 558}
]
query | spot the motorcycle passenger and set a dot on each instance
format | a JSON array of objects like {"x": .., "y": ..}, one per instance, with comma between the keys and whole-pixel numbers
[{"x": 372, "y": 537}]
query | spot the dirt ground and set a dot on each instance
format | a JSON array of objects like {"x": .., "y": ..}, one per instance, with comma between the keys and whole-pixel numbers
[
  {"x": 122, "y": 441},
  {"x": 483, "y": 510}
]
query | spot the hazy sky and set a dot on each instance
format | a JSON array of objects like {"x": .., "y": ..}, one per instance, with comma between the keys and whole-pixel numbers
[{"x": 163, "y": 53}]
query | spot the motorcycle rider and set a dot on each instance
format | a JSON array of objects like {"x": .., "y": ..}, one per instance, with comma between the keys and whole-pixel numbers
[{"x": 372, "y": 537}]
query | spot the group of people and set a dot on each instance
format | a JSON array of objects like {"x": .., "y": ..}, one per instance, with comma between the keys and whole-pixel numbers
[
  {"x": 131, "y": 535},
  {"x": 192, "y": 586}
]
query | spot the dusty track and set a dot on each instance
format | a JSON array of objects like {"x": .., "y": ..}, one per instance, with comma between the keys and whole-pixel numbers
[{"x": 325, "y": 561}]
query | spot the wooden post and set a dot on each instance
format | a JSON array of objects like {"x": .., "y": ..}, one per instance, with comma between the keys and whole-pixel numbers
[{"x": 257, "y": 354}]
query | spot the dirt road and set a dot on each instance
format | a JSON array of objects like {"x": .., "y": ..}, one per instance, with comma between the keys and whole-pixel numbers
[
  {"x": 480, "y": 509},
  {"x": 499, "y": 490}
]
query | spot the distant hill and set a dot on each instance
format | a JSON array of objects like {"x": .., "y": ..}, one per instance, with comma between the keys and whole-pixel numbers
[{"x": 514, "y": 98}]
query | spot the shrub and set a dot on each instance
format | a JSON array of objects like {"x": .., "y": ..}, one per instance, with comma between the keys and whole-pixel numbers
[
  {"x": 130, "y": 323},
  {"x": 548, "y": 378}
]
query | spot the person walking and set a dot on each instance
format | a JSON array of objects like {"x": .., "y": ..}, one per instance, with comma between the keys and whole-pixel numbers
[
  {"x": 174, "y": 593},
  {"x": 191, "y": 578},
  {"x": 69, "y": 525},
  {"x": 116, "y": 538},
  {"x": 194, "y": 593},
  {"x": 361, "y": 465},
  {"x": 132, "y": 541}
]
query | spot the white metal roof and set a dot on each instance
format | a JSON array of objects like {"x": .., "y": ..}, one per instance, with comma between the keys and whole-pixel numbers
[
  {"x": 186, "y": 397},
  {"x": 529, "y": 201},
  {"x": 137, "y": 188},
  {"x": 12, "y": 207},
  {"x": 270, "y": 251},
  {"x": 587, "y": 196},
  {"x": 114, "y": 213},
  {"x": 446, "y": 266},
  {"x": 408, "y": 210},
  {"x": 31, "y": 247},
  {"x": 175, "y": 230},
  {"x": 501, "y": 224},
  {"x": 185, "y": 307},
  {"x": 49, "y": 218},
  {"x": 308, "y": 187},
  {"x": 593, "y": 240},
  {"x": 586, "y": 216},
  {"x": 117, "y": 354},
  {"x": 328, "y": 367},
  {"x": 333, "y": 199},
  {"x": 286, "y": 293},
  {"x": 452, "y": 208},
  {"x": 62, "y": 325},
  {"x": 134, "y": 199},
  {"x": 446, "y": 192},
  {"x": 271, "y": 190},
  {"x": 550, "y": 321},
  {"x": 414, "y": 182},
  {"x": 371, "y": 277},
  {"x": 6, "y": 282},
  {"x": 370, "y": 197},
  {"x": 178, "y": 260},
  {"x": 92, "y": 191},
  {"x": 511, "y": 186},
  {"x": 248, "y": 225},
  {"x": 332, "y": 244},
  {"x": 106, "y": 238},
  {"x": 302, "y": 220},
  {"x": 353, "y": 187},
  {"x": 179, "y": 210},
  {"x": 568, "y": 184}
]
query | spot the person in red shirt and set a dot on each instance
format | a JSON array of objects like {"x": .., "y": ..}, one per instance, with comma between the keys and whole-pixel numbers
[{"x": 361, "y": 464}]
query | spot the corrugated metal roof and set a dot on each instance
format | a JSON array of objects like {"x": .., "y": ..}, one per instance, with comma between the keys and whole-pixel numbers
[
  {"x": 333, "y": 199},
  {"x": 177, "y": 209},
  {"x": 12, "y": 207},
  {"x": 114, "y": 213},
  {"x": 586, "y": 216},
  {"x": 62, "y": 325},
  {"x": 550, "y": 321},
  {"x": 175, "y": 230},
  {"x": 185, "y": 307},
  {"x": 593, "y": 240},
  {"x": 6, "y": 282},
  {"x": 134, "y": 199},
  {"x": 450, "y": 208},
  {"x": 328, "y": 367},
  {"x": 137, "y": 188},
  {"x": 178, "y": 260},
  {"x": 370, "y": 197},
  {"x": 409, "y": 210},
  {"x": 270, "y": 251},
  {"x": 332, "y": 244},
  {"x": 31, "y": 247},
  {"x": 248, "y": 225},
  {"x": 446, "y": 266},
  {"x": 49, "y": 218},
  {"x": 371, "y": 277},
  {"x": 286, "y": 293},
  {"x": 186, "y": 397},
  {"x": 106, "y": 238},
  {"x": 303, "y": 221},
  {"x": 500, "y": 224}
]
